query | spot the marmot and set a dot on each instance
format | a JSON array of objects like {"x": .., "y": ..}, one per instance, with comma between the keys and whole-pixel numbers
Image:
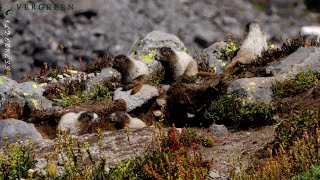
[
  {"x": 254, "y": 43},
  {"x": 78, "y": 123},
  {"x": 178, "y": 64},
  {"x": 121, "y": 119},
  {"x": 134, "y": 73}
]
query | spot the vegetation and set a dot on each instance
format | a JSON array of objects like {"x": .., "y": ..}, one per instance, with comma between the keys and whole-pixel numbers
[
  {"x": 233, "y": 111},
  {"x": 170, "y": 159},
  {"x": 287, "y": 163},
  {"x": 296, "y": 124},
  {"x": 229, "y": 51},
  {"x": 290, "y": 87},
  {"x": 16, "y": 160}
]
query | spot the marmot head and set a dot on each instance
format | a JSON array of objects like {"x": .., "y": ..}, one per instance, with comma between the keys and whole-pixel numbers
[
  {"x": 164, "y": 54},
  {"x": 121, "y": 63},
  {"x": 88, "y": 117},
  {"x": 119, "y": 118},
  {"x": 253, "y": 26}
]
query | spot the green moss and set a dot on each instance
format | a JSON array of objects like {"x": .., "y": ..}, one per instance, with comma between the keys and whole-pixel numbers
[{"x": 314, "y": 173}]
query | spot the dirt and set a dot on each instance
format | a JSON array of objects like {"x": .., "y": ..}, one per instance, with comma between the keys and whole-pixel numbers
[{"x": 243, "y": 145}]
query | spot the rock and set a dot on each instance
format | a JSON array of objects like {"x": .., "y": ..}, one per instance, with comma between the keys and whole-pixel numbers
[
  {"x": 218, "y": 130},
  {"x": 12, "y": 127},
  {"x": 106, "y": 73},
  {"x": 6, "y": 85},
  {"x": 26, "y": 89},
  {"x": 212, "y": 54},
  {"x": 301, "y": 60},
  {"x": 39, "y": 103},
  {"x": 161, "y": 102},
  {"x": 257, "y": 89},
  {"x": 310, "y": 32},
  {"x": 114, "y": 146},
  {"x": 146, "y": 93},
  {"x": 157, "y": 113},
  {"x": 149, "y": 45}
]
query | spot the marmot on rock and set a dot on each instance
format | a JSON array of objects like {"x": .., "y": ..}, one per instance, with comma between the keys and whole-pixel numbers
[
  {"x": 134, "y": 73},
  {"x": 255, "y": 42},
  {"x": 178, "y": 64},
  {"x": 78, "y": 123},
  {"x": 121, "y": 119}
]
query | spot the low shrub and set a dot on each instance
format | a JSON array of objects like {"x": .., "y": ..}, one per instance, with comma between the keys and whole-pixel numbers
[
  {"x": 16, "y": 160},
  {"x": 296, "y": 124},
  {"x": 291, "y": 87},
  {"x": 233, "y": 111}
]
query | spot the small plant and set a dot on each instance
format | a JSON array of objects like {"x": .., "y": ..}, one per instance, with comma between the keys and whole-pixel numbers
[
  {"x": 291, "y": 87},
  {"x": 230, "y": 50},
  {"x": 11, "y": 110},
  {"x": 236, "y": 112},
  {"x": 16, "y": 160},
  {"x": 171, "y": 159},
  {"x": 100, "y": 92},
  {"x": 287, "y": 163},
  {"x": 314, "y": 173},
  {"x": 296, "y": 124}
]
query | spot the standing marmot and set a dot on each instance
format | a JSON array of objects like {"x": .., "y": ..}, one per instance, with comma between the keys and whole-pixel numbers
[
  {"x": 121, "y": 119},
  {"x": 78, "y": 123},
  {"x": 178, "y": 64},
  {"x": 134, "y": 72},
  {"x": 255, "y": 42}
]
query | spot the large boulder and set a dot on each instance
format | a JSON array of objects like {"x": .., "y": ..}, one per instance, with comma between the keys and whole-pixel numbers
[
  {"x": 150, "y": 44},
  {"x": 145, "y": 94},
  {"x": 253, "y": 89},
  {"x": 212, "y": 56},
  {"x": 11, "y": 128},
  {"x": 303, "y": 59}
]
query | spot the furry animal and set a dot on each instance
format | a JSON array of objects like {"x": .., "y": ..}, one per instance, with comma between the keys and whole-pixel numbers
[
  {"x": 255, "y": 42},
  {"x": 134, "y": 72},
  {"x": 121, "y": 119},
  {"x": 178, "y": 64},
  {"x": 78, "y": 123}
]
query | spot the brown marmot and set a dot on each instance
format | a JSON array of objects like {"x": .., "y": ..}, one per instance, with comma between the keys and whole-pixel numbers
[
  {"x": 134, "y": 72},
  {"x": 254, "y": 43},
  {"x": 78, "y": 123},
  {"x": 121, "y": 119},
  {"x": 178, "y": 64}
]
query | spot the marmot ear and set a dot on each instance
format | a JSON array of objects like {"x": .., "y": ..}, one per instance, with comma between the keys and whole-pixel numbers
[{"x": 86, "y": 116}]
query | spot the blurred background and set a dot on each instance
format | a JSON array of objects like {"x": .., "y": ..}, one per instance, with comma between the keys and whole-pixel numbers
[{"x": 97, "y": 27}]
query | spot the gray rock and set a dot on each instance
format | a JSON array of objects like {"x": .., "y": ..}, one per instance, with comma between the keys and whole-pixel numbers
[
  {"x": 146, "y": 93},
  {"x": 11, "y": 128},
  {"x": 106, "y": 73},
  {"x": 212, "y": 54},
  {"x": 39, "y": 103},
  {"x": 26, "y": 89},
  {"x": 253, "y": 89},
  {"x": 303, "y": 59},
  {"x": 149, "y": 45},
  {"x": 6, "y": 85},
  {"x": 218, "y": 130}
]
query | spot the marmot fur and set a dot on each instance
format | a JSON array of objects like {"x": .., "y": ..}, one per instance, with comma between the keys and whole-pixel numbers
[
  {"x": 78, "y": 123},
  {"x": 134, "y": 73},
  {"x": 254, "y": 43},
  {"x": 178, "y": 64},
  {"x": 121, "y": 119}
]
